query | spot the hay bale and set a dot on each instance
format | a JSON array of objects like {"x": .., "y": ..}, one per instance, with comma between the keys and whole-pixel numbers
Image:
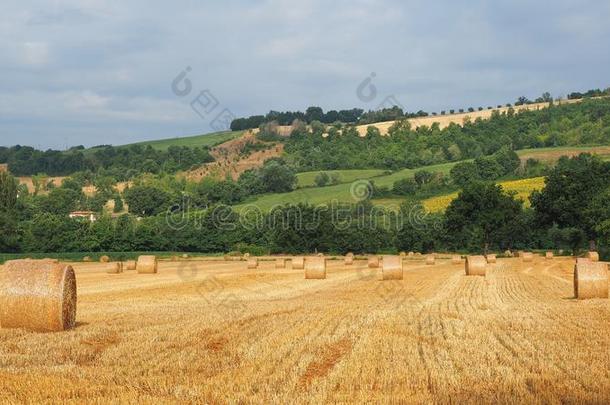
[
  {"x": 38, "y": 295},
  {"x": 590, "y": 280},
  {"x": 87, "y": 259},
  {"x": 298, "y": 263},
  {"x": 104, "y": 259},
  {"x": 430, "y": 260},
  {"x": 246, "y": 256},
  {"x": 252, "y": 263},
  {"x": 185, "y": 256},
  {"x": 476, "y": 265},
  {"x": 280, "y": 263},
  {"x": 403, "y": 254},
  {"x": 508, "y": 253},
  {"x": 349, "y": 259},
  {"x": 411, "y": 254},
  {"x": 491, "y": 258},
  {"x": 114, "y": 268},
  {"x": 374, "y": 262},
  {"x": 130, "y": 265},
  {"x": 147, "y": 265},
  {"x": 315, "y": 268},
  {"x": 391, "y": 268},
  {"x": 528, "y": 257},
  {"x": 456, "y": 259},
  {"x": 593, "y": 256},
  {"x": 549, "y": 256}
]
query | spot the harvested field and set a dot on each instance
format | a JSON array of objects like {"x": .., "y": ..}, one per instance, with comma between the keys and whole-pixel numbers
[{"x": 216, "y": 332}]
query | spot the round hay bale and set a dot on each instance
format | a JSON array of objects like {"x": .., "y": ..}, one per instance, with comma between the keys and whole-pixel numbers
[
  {"x": 374, "y": 262},
  {"x": 320, "y": 254},
  {"x": 315, "y": 268},
  {"x": 280, "y": 263},
  {"x": 298, "y": 263},
  {"x": 87, "y": 259},
  {"x": 38, "y": 295},
  {"x": 508, "y": 253},
  {"x": 456, "y": 259},
  {"x": 391, "y": 268},
  {"x": 104, "y": 259},
  {"x": 528, "y": 257},
  {"x": 185, "y": 256},
  {"x": 549, "y": 256},
  {"x": 246, "y": 256},
  {"x": 252, "y": 263},
  {"x": 130, "y": 265},
  {"x": 491, "y": 258},
  {"x": 593, "y": 256},
  {"x": 476, "y": 265},
  {"x": 403, "y": 254},
  {"x": 590, "y": 280},
  {"x": 430, "y": 260},
  {"x": 114, "y": 268},
  {"x": 147, "y": 265},
  {"x": 411, "y": 254},
  {"x": 349, "y": 259}
]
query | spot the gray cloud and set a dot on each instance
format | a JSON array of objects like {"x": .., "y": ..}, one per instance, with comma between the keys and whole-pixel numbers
[{"x": 91, "y": 72}]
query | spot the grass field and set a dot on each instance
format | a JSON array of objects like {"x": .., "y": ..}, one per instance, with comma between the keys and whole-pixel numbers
[
  {"x": 341, "y": 192},
  {"x": 214, "y": 332},
  {"x": 193, "y": 141},
  {"x": 523, "y": 188},
  {"x": 307, "y": 179}
]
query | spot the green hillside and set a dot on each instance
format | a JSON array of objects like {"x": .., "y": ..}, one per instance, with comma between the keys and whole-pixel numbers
[
  {"x": 193, "y": 141},
  {"x": 307, "y": 179},
  {"x": 341, "y": 192}
]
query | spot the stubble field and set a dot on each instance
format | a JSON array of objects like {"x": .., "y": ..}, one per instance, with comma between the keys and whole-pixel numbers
[{"x": 214, "y": 332}]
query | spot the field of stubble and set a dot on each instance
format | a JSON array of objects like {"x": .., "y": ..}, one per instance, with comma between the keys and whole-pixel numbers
[{"x": 214, "y": 332}]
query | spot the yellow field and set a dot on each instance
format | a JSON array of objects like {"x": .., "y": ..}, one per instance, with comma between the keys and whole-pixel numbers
[
  {"x": 214, "y": 332},
  {"x": 523, "y": 188}
]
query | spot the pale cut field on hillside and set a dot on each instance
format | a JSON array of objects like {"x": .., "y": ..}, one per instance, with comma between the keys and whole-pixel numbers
[
  {"x": 445, "y": 120},
  {"x": 214, "y": 332}
]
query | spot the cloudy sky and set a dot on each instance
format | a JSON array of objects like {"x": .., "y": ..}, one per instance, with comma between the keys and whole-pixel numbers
[{"x": 101, "y": 71}]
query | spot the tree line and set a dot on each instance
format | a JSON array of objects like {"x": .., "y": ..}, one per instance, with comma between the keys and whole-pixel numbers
[{"x": 570, "y": 213}]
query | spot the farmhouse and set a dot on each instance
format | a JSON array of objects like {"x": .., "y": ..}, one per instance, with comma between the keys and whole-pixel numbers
[{"x": 89, "y": 215}]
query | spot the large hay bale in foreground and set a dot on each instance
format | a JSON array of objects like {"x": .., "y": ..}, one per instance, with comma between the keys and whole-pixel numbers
[
  {"x": 430, "y": 260},
  {"x": 349, "y": 259},
  {"x": 456, "y": 259},
  {"x": 590, "y": 280},
  {"x": 528, "y": 257},
  {"x": 374, "y": 262},
  {"x": 37, "y": 295},
  {"x": 130, "y": 265},
  {"x": 476, "y": 265},
  {"x": 549, "y": 255},
  {"x": 315, "y": 268},
  {"x": 252, "y": 263},
  {"x": 114, "y": 268},
  {"x": 298, "y": 263},
  {"x": 147, "y": 265},
  {"x": 391, "y": 268},
  {"x": 104, "y": 259},
  {"x": 593, "y": 256},
  {"x": 280, "y": 263},
  {"x": 491, "y": 258}
]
